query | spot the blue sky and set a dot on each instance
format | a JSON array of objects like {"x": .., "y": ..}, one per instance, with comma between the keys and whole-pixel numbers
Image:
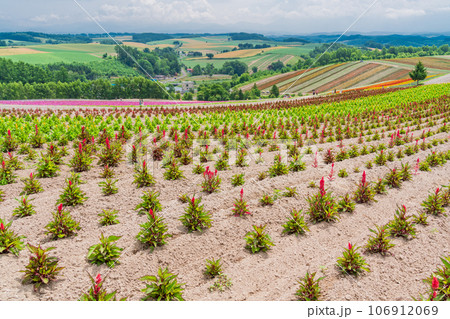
[{"x": 262, "y": 16}]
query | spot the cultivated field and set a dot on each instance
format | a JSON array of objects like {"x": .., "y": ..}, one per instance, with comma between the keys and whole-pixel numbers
[{"x": 316, "y": 173}]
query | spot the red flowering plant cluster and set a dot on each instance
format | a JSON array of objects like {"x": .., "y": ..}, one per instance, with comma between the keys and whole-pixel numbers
[
  {"x": 111, "y": 154},
  {"x": 97, "y": 292},
  {"x": 351, "y": 262},
  {"x": 364, "y": 192},
  {"x": 9, "y": 241},
  {"x": 81, "y": 160},
  {"x": 439, "y": 283},
  {"x": 240, "y": 206},
  {"x": 142, "y": 177},
  {"x": 211, "y": 181},
  {"x": 322, "y": 206}
]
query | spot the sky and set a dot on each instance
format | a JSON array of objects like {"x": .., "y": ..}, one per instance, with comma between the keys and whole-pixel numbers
[{"x": 270, "y": 17}]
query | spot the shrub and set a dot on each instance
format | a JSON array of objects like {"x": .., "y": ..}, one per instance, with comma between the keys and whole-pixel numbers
[
  {"x": 222, "y": 164},
  {"x": 106, "y": 252},
  {"x": 9, "y": 241},
  {"x": 309, "y": 288},
  {"x": 267, "y": 200},
  {"x": 149, "y": 201},
  {"x": 195, "y": 217},
  {"x": 143, "y": 178},
  {"x": 258, "y": 240},
  {"x": 98, "y": 293},
  {"x": 405, "y": 172},
  {"x": 296, "y": 224},
  {"x": 297, "y": 165},
  {"x": 173, "y": 172},
  {"x": 198, "y": 169},
  {"x": 111, "y": 154},
  {"x": 10, "y": 143},
  {"x": 379, "y": 187},
  {"x": 41, "y": 268},
  {"x": 322, "y": 206},
  {"x": 433, "y": 204},
  {"x": 420, "y": 219},
  {"x": 393, "y": 179},
  {"x": 380, "y": 243},
  {"x": 81, "y": 160},
  {"x": 107, "y": 172},
  {"x": 46, "y": 168},
  {"x": 163, "y": 286},
  {"x": 290, "y": 192},
  {"x": 329, "y": 157},
  {"x": 237, "y": 180},
  {"x": 343, "y": 173},
  {"x": 7, "y": 175},
  {"x": 278, "y": 168},
  {"x": 37, "y": 140},
  {"x": 351, "y": 261},
  {"x": 25, "y": 208},
  {"x": 240, "y": 206},
  {"x": 240, "y": 158},
  {"x": 14, "y": 163},
  {"x": 153, "y": 232},
  {"x": 346, "y": 204},
  {"x": 62, "y": 225},
  {"x": 31, "y": 186},
  {"x": 109, "y": 217},
  {"x": 72, "y": 195},
  {"x": 364, "y": 193},
  {"x": 213, "y": 267},
  {"x": 401, "y": 226},
  {"x": 109, "y": 187},
  {"x": 211, "y": 181}
]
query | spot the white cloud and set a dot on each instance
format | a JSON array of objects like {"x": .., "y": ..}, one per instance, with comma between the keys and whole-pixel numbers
[
  {"x": 46, "y": 18},
  {"x": 392, "y": 13}
]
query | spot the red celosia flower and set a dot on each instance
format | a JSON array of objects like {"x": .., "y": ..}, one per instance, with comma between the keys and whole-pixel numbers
[
  {"x": 363, "y": 181},
  {"x": 242, "y": 193},
  {"x": 350, "y": 246},
  {"x": 3, "y": 164},
  {"x": 9, "y": 133},
  {"x": 80, "y": 148},
  {"x": 107, "y": 142},
  {"x": 144, "y": 164},
  {"x": 60, "y": 207},
  {"x": 2, "y": 227},
  {"x": 98, "y": 279},
  {"x": 31, "y": 175},
  {"x": 435, "y": 283},
  {"x": 437, "y": 190},
  {"x": 404, "y": 208},
  {"x": 322, "y": 187},
  {"x": 70, "y": 183},
  {"x": 434, "y": 294},
  {"x": 151, "y": 213},
  {"x": 193, "y": 200}
]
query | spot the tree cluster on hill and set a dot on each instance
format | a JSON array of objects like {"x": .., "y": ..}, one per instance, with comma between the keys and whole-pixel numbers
[
  {"x": 159, "y": 61},
  {"x": 229, "y": 67},
  {"x": 38, "y": 36},
  {"x": 247, "y": 36},
  {"x": 247, "y": 46},
  {"x": 2, "y": 43},
  {"x": 122, "y": 88},
  {"x": 342, "y": 53}
]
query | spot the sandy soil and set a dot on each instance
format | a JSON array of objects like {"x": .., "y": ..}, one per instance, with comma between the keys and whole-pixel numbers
[
  {"x": 15, "y": 51},
  {"x": 264, "y": 276}
]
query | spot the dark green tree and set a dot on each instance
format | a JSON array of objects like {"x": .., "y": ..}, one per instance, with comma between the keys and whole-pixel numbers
[
  {"x": 274, "y": 91},
  {"x": 419, "y": 73}
]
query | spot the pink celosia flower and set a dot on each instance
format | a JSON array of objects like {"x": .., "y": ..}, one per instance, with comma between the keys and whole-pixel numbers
[
  {"x": 435, "y": 283},
  {"x": 151, "y": 213},
  {"x": 350, "y": 246},
  {"x": 60, "y": 207},
  {"x": 2, "y": 227},
  {"x": 363, "y": 180},
  {"x": 322, "y": 187}
]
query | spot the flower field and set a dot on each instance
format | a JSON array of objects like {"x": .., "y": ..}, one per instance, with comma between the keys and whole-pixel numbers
[
  {"x": 90, "y": 102},
  {"x": 342, "y": 197}
]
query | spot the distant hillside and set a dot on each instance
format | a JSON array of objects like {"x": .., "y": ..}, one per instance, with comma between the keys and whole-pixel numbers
[{"x": 45, "y": 37}]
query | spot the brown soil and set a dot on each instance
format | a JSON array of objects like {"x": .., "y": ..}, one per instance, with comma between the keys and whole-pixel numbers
[{"x": 264, "y": 276}]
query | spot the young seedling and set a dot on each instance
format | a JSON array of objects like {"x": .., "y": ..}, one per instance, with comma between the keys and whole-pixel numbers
[
  {"x": 296, "y": 224},
  {"x": 153, "y": 232},
  {"x": 63, "y": 225},
  {"x": 97, "y": 292},
  {"x": 109, "y": 217},
  {"x": 213, "y": 268},
  {"x": 240, "y": 206},
  {"x": 258, "y": 240},
  {"x": 163, "y": 286},
  {"x": 351, "y": 262},
  {"x": 109, "y": 187},
  {"x": 380, "y": 243},
  {"x": 106, "y": 252},
  {"x": 309, "y": 288},
  {"x": 195, "y": 217},
  {"x": 9, "y": 241},
  {"x": 25, "y": 208}
]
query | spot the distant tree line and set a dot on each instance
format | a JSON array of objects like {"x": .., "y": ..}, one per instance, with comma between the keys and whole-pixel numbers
[
  {"x": 122, "y": 88},
  {"x": 247, "y": 46},
  {"x": 38, "y": 36},
  {"x": 159, "y": 61},
  {"x": 229, "y": 67}
]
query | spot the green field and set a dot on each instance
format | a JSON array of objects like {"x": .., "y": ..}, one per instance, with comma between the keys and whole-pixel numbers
[{"x": 64, "y": 53}]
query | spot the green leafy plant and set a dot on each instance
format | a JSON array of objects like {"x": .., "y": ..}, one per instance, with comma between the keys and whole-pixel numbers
[
  {"x": 267, "y": 200},
  {"x": 81, "y": 160},
  {"x": 322, "y": 206},
  {"x": 439, "y": 282},
  {"x": 10, "y": 143},
  {"x": 309, "y": 289},
  {"x": 405, "y": 172},
  {"x": 106, "y": 252},
  {"x": 111, "y": 154},
  {"x": 240, "y": 206},
  {"x": 379, "y": 187},
  {"x": 31, "y": 186},
  {"x": 346, "y": 204},
  {"x": 352, "y": 262},
  {"x": 213, "y": 267},
  {"x": 258, "y": 240},
  {"x": 46, "y": 168},
  {"x": 149, "y": 201},
  {"x": 380, "y": 242},
  {"x": 41, "y": 268},
  {"x": 364, "y": 193},
  {"x": 109, "y": 187},
  {"x": 222, "y": 164},
  {"x": 9, "y": 241},
  {"x": 211, "y": 181},
  {"x": 173, "y": 172},
  {"x": 62, "y": 225},
  {"x": 163, "y": 286},
  {"x": 97, "y": 292},
  {"x": 184, "y": 198},
  {"x": 237, "y": 180},
  {"x": 420, "y": 219},
  {"x": 37, "y": 140},
  {"x": 25, "y": 208},
  {"x": 107, "y": 172},
  {"x": 198, "y": 169},
  {"x": 221, "y": 283},
  {"x": 296, "y": 224},
  {"x": 343, "y": 173},
  {"x": 72, "y": 195},
  {"x": 195, "y": 217},
  {"x": 278, "y": 168},
  {"x": 7, "y": 175},
  {"x": 433, "y": 205},
  {"x": 109, "y": 217},
  {"x": 290, "y": 192},
  {"x": 153, "y": 232},
  {"x": 401, "y": 226},
  {"x": 393, "y": 179},
  {"x": 143, "y": 178}
]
